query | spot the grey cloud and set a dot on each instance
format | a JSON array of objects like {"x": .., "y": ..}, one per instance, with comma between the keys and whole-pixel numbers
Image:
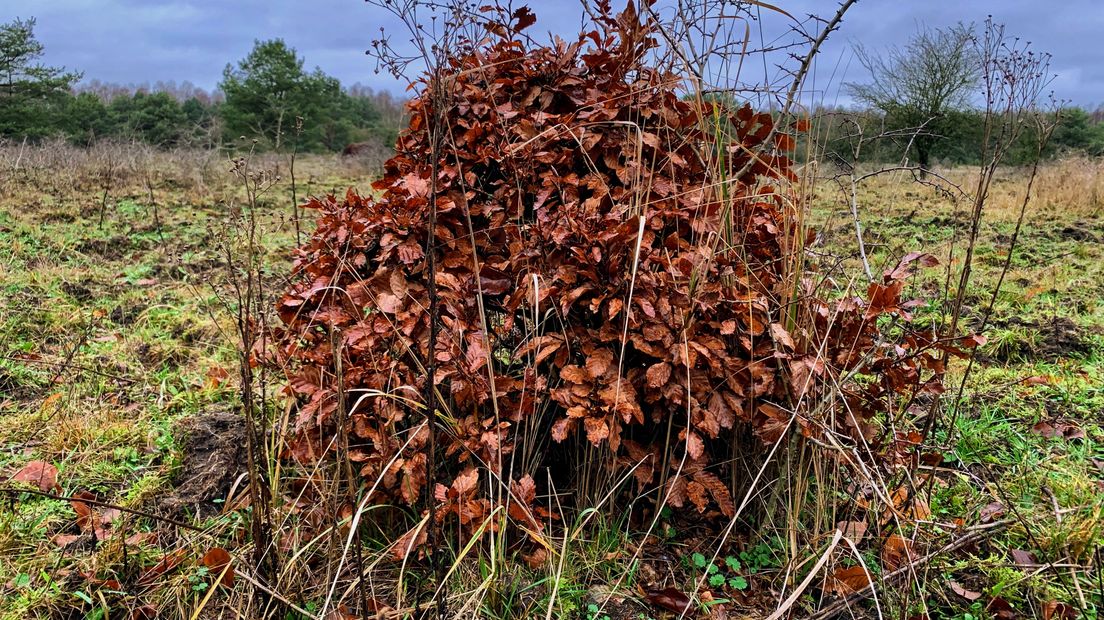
[{"x": 150, "y": 40}]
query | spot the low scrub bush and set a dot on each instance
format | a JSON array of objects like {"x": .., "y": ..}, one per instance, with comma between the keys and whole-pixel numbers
[{"x": 620, "y": 279}]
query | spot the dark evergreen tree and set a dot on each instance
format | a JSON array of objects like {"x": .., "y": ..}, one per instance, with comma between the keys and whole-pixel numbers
[{"x": 32, "y": 95}]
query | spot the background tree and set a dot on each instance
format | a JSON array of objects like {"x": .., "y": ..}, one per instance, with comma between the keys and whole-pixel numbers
[
  {"x": 916, "y": 86},
  {"x": 153, "y": 118},
  {"x": 1077, "y": 131},
  {"x": 267, "y": 90},
  {"x": 86, "y": 119},
  {"x": 31, "y": 94}
]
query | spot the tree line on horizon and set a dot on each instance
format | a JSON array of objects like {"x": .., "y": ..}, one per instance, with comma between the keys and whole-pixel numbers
[{"x": 270, "y": 97}]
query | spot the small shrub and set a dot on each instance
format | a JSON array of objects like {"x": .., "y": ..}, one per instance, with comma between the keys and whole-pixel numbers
[{"x": 618, "y": 268}]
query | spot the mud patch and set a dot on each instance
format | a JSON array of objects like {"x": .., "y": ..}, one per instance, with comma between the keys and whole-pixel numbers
[
  {"x": 1062, "y": 338},
  {"x": 213, "y": 455},
  {"x": 126, "y": 314},
  {"x": 78, "y": 292},
  {"x": 13, "y": 387},
  {"x": 1057, "y": 338},
  {"x": 1079, "y": 231}
]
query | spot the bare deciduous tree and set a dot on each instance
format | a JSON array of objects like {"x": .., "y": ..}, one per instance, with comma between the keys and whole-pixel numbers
[{"x": 915, "y": 86}]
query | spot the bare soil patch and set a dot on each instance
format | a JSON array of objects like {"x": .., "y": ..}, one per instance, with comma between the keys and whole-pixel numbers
[{"x": 213, "y": 455}]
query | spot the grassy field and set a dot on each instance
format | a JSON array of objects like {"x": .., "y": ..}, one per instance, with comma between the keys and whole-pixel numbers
[
  {"x": 1026, "y": 447},
  {"x": 117, "y": 367}
]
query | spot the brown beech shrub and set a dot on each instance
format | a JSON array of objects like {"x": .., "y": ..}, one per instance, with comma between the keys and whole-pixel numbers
[{"x": 617, "y": 268}]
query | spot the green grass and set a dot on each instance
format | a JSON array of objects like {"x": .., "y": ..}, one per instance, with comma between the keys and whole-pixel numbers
[
  {"x": 1043, "y": 362},
  {"x": 115, "y": 329},
  {"x": 108, "y": 338}
]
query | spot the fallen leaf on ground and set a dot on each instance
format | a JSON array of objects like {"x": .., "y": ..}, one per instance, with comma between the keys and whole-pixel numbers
[
  {"x": 216, "y": 376},
  {"x": 167, "y": 563},
  {"x": 145, "y": 612},
  {"x": 51, "y": 401},
  {"x": 216, "y": 560},
  {"x": 1001, "y": 609},
  {"x": 896, "y": 552},
  {"x": 39, "y": 473},
  {"x": 852, "y": 530},
  {"x": 537, "y": 559},
  {"x": 671, "y": 599},
  {"x": 847, "y": 581},
  {"x": 965, "y": 593},
  {"x": 991, "y": 511},
  {"x": 140, "y": 538},
  {"x": 1053, "y": 610},
  {"x": 83, "y": 510},
  {"x": 1056, "y": 429},
  {"x": 64, "y": 540}
]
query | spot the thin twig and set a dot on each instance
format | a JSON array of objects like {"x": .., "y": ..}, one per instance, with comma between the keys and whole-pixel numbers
[{"x": 96, "y": 502}]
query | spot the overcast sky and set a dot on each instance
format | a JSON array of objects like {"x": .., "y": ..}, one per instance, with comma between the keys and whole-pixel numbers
[{"x": 136, "y": 41}]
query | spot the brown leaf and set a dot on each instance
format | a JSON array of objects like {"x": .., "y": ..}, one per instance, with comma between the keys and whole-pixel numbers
[
  {"x": 216, "y": 560},
  {"x": 1072, "y": 431},
  {"x": 658, "y": 375},
  {"x": 386, "y": 302},
  {"x": 597, "y": 430},
  {"x": 574, "y": 374},
  {"x": 896, "y": 552},
  {"x": 846, "y": 581},
  {"x": 1053, "y": 610},
  {"x": 64, "y": 540},
  {"x": 140, "y": 538},
  {"x": 341, "y": 612},
  {"x": 781, "y": 335},
  {"x": 1023, "y": 558},
  {"x": 524, "y": 490},
  {"x": 905, "y": 268},
  {"x": 852, "y": 530},
  {"x": 671, "y": 599},
  {"x": 537, "y": 559},
  {"x": 694, "y": 446},
  {"x": 1058, "y": 429},
  {"x": 697, "y": 494},
  {"x": 412, "y": 540},
  {"x": 599, "y": 363},
  {"x": 719, "y": 490},
  {"x": 523, "y": 18},
  {"x": 1000, "y": 608},
  {"x": 144, "y": 612},
  {"x": 965, "y": 593},
  {"x": 83, "y": 510},
  {"x": 416, "y": 184},
  {"x": 168, "y": 562},
  {"x": 562, "y": 428},
  {"x": 974, "y": 340},
  {"x": 216, "y": 376},
  {"x": 39, "y": 473},
  {"x": 1046, "y": 429},
  {"x": 466, "y": 483},
  {"x": 991, "y": 511}
]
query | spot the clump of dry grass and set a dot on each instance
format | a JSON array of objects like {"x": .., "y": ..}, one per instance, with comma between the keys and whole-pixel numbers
[
  {"x": 57, "y": 168},
  {"x": 1072, "y": 184}
]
